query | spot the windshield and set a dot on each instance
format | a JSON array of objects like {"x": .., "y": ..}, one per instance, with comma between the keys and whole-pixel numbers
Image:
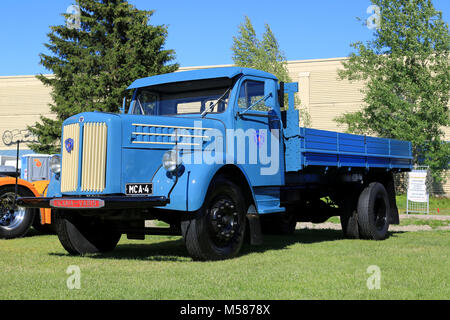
[{"x": 157, "y": 101}]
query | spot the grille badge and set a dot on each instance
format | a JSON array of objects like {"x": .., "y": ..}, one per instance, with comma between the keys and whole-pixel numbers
[{"x": 69, "y": 145}]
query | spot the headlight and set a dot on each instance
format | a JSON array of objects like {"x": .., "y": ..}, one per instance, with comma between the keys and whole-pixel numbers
[
  {"x": 171, "y": 160},
  {"x": 55, "y": 164}
]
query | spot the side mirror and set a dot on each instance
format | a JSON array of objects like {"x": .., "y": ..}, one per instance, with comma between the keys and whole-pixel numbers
[{"x": 269, "y": 90}]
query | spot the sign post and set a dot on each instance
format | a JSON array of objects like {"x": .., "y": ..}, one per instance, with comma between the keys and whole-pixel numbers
[{"x": 417, "y": 198}]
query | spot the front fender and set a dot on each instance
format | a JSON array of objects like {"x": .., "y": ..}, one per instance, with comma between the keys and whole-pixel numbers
[{"x": 190, "y": 189}]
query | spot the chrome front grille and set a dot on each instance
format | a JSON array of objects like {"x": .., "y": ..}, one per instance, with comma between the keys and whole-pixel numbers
[
  {"x": 70, "y": 157},
  {"x": 93, "y": 175},
  {"x": 92, "y": 145}
]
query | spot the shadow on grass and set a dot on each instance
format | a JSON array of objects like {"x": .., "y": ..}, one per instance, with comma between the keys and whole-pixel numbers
[
  {"x": 170, "y": 250},
  {"x": 34, "y": 233},
  {"x": 174, "y": 250},
  {"x": 393, "y": 234},
  {"x": 302, "y": 236}
]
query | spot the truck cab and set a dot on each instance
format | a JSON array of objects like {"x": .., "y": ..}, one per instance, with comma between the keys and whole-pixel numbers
[{"x": 216, "y": 154}]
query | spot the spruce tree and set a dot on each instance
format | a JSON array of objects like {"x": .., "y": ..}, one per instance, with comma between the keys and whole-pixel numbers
[{"x": 93, "y": 63}]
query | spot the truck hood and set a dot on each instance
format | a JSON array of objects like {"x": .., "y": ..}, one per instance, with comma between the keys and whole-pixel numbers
[{"x": 102, "y": 152}]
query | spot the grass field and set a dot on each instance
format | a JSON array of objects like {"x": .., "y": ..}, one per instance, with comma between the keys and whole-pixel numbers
[{"x": 311, "y": 264}]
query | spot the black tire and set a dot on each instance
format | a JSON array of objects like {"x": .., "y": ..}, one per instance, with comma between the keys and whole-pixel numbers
[
  {"x": 14, "y": 224},
  {"x": 373, "y": 212},
  {"x": 82, "y": 235},
  {"x": 217, "y": 231}
]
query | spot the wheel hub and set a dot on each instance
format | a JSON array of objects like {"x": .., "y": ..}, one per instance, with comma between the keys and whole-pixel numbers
[
  {"x": 10, "y": 217},
  {"x": 224, "y": 220},
  {"x": 5, "y": 219}
]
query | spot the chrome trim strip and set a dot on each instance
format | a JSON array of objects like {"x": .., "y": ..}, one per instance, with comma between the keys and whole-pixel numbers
[
  {"x": 171, "y": 127},
  {"x": 171, "y": 143},
  {"x": 170, "y": 135}
]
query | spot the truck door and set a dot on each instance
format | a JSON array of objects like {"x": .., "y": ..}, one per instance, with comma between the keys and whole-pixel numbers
[{"x": 257, "y": 147}]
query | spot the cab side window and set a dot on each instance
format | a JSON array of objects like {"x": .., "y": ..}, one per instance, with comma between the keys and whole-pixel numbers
[
  {"x": 251, "y": 91},
  {"x": 145, "y": 103}
]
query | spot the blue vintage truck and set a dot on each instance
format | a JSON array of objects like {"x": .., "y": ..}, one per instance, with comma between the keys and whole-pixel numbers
[{"x": 217, "y": 155}]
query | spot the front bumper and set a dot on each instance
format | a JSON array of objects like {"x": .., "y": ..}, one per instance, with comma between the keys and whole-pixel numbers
[{"x": 90, "y": 203}]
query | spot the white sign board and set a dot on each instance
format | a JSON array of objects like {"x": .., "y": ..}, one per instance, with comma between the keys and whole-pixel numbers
[{"x": 417, "y": 188}]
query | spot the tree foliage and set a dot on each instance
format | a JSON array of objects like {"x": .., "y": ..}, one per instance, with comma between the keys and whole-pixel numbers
[
  {"x": 251, "y": 52},
  {"x": 407, "y": 75},
  {"x": 92, "y": 65}
]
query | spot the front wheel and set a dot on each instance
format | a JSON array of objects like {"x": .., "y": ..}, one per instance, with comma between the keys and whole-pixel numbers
[
  {"x": 14, "y": 221},
  {"x": 217, "y": 231},
  {"x": 81, "y": 235}
]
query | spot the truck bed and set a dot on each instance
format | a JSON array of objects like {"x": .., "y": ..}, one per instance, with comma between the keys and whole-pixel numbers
[{"x": 334, "y": 149}]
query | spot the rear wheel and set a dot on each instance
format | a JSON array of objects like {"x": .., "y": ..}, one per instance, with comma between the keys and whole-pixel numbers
[
  {"x": 81, "y": 235},
  {"x": 217, "y": 231},
  {"x": 14, "y": 221},
  {"x": 373, "y": 212}
]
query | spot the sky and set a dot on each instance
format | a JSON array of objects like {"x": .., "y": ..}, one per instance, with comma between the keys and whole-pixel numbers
[{"x": 201, "y": 31}]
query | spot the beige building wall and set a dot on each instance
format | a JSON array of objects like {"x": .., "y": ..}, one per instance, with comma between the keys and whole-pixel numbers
[{"x": 23, "y": 98}]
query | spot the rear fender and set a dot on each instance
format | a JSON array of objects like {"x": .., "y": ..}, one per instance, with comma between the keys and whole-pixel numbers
[
  {"x": 8, "y": 181},
  {"x": 390, "y": 188}
]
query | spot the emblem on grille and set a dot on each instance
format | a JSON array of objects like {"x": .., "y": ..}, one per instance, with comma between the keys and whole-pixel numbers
[{"x": 69, "y": 145}]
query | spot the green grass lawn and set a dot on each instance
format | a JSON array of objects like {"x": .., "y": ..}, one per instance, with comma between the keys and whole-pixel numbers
[{"x": 311, "y": 264}]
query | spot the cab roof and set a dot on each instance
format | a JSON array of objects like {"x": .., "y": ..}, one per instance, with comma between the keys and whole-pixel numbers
[{"x": 200, "y": 74}]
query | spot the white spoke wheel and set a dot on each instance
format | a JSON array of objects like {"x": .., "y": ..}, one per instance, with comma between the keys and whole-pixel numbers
[{"x": 14, "y": 221}]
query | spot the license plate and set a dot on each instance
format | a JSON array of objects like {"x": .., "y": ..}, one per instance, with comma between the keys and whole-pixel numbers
[
  {"x": 77, "y": 203},
  {"x": 139, "y": 188}
]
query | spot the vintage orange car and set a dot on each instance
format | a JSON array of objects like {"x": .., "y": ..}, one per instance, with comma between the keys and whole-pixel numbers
[{"x": 16, "y": 221}]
